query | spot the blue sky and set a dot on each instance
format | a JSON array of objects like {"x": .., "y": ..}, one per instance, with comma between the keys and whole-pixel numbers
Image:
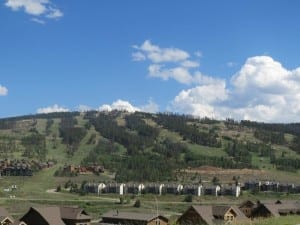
[{"x": 218, "y": 59}]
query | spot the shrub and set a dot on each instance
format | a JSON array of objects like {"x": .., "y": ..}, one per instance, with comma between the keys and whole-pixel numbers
[
  {"x": 137, "y": 203},
  {"x": 188, "y": 198}
]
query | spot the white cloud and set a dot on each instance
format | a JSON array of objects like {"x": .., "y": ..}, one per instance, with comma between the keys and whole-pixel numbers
[
  {"x": 105, "y": 107},
  {"x": 202, "y": 79},
  {"x": 199, "y": 100},
  {"x": 54, "y": 13},
  {"x": 83, "y": 108},
  {"x": 261, "y": 90},
  {"x": 119, "y": 105},
  {"x": 51, "y": 109},
  {"x": 151, "y": 107},
  {"x": 190, "y": 64},
  {"x": 168, "y": 55},
  {"x": 179, "y": 74},
  {"x": 122, "y": 105},
  {"x": 138, "y": 56},
  {"x": 32, "y": 7},
  {"x": 36, "y": 20},
  {"x": 261, "y": 72},
  {"x": 160, "y": 55},
  {"x": 35, "y": 8},
  {"x": 3, "y": 90},
  {"x": 168, "y": 63}
]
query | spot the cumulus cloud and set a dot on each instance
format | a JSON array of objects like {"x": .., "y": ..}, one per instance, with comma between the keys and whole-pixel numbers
[
  {"x": 190, "y": 64},
  {"x": 119, "y": 105},
  {"x": 261, "y": 90},
  {"x": 159, "y": 55},
  {"x": 51, "y": 109},
  {"x": 171, "y": 63},
  {"x": 39, "y": 8},
  {"x": 180, "y": 74},
  {"x": 200, "y": 100},
  {"x": 32, "y": 7},
  {"x": 138, "y": 56},
  {"x": 167, "y": 63},
  {"x": 105, "y": 107},
  {"x": 3, "y": 90},
  {"x": 151, "y": 107},
  {"x": 36, "y": 20},
  {"x": 122, "y": 105},
  {"x": 54, "y": 13},
  {"x": 83, "y": 108}
]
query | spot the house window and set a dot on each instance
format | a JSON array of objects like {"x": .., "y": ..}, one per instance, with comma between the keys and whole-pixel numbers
[
  {"x": 229, "y": 218},
  {"x": 157, "y": 222}
]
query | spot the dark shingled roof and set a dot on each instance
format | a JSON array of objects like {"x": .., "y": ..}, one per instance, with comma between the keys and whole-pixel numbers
[
  {"x": 3, "y": 212},
  {"x": 276, "y": 209},
  {"x": 220, "y": 210},
  {"x": 247, "y": 203},
  {"x": 205, "y": 212},
  {"x": 73, "y": 213},
  {"x": 54, "y": 215},
  {"x": 208, "y": 213},
  {"x": 50, "y": 214}
]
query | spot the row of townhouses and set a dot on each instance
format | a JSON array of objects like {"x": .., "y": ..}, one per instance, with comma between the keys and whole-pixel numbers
[
  {"x": 271, "y": 186},
  {"x": 168, "y": 188},
  {"x": 193, "y": 189}
]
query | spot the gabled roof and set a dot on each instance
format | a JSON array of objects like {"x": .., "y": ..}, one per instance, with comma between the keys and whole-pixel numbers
[
  {"x": 220, "y": 210},
  {"x": 239, "y": 214},
  {"x": 205, "y": 212},
  {"x": 280, "y": 202},
  {"x": 50, "y": 214},
  {"x": 73, "y": 213},
  {"x": 3, "y": 212},
  {"x": 4, "y": 218},
  {"x": 208, "y": 213},
  {"x": 247, "y": 203},
  {"x": 4, "y": 215},
  {"x": 55, "y": 215},
  {"x": 276, "y": 209},
  {"x": 131, "y": 216}
]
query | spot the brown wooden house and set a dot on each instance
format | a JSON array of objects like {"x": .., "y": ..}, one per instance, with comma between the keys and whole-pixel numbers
[
  {"x": 211, "y": 215},
  {"x": 74, "y": 216},
  {"x": 131, "y": 218},
  {"x": 43, "y": 216},
  {"x": 247, "y": 207},
  {"x": 276, "y": 209},
  {"x": 56, "y": 216}
]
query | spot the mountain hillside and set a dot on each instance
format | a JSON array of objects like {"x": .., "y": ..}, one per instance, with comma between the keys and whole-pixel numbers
[{"x": 150, "y": 147}]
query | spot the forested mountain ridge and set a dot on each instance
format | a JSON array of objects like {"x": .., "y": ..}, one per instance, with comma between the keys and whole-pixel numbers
[{"x": 142, "y": 146}]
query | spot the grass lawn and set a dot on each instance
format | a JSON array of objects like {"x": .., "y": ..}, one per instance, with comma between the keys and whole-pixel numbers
[{"x": 285, "y": 220}]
